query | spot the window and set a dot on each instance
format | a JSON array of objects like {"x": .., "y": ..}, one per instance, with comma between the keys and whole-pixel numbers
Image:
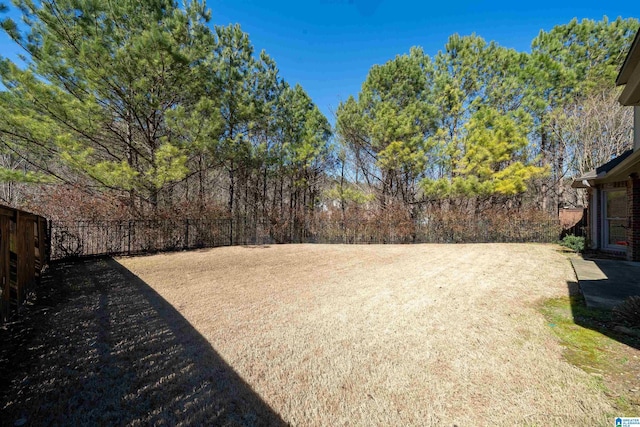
[{"x": 615, "y": 219}]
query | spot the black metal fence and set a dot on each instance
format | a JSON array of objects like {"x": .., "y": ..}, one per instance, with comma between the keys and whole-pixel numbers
[
  {"x": 90, "y": 238},
  {"x": 446, "y": 231},
  {"x": 93, "y": 238}
]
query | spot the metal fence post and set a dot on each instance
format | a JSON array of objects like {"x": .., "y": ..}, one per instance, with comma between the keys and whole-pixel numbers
[
  {"x": 129, "y": 240},
  {"x": 186, "y": 234}
]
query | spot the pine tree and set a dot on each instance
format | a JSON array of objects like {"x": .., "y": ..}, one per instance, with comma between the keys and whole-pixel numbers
[{"x": 100, "y": 80}]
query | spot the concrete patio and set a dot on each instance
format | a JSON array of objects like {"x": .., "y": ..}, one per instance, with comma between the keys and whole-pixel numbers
[{"x": 607, "y": 283}]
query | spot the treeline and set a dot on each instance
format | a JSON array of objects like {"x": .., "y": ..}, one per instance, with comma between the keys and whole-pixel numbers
[
  {"x": 480, "y": 127},
  {"x": 143, "y": 109},
  {"x": 140, "y": 109}
]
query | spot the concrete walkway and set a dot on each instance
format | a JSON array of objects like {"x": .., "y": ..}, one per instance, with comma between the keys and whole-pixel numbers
[{"x": 606, "y": 283}]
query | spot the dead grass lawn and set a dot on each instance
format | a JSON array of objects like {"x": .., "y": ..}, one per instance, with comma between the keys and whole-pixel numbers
[{"x": 386, "y": 335}]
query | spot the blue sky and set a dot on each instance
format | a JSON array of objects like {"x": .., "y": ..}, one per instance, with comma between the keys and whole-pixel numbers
[{"x": 328, "y": 46}]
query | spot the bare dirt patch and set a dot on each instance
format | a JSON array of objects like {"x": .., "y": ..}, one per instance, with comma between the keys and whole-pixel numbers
[{"x": 386, "y": 335}]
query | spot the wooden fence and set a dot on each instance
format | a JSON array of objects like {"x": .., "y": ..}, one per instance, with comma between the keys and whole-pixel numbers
[{"x": 23, "y": 255}]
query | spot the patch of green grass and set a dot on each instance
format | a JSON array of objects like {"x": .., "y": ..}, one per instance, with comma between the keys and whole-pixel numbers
[
  {"x": 590, "y": 345},
  {"x": 585, "y": 345}
]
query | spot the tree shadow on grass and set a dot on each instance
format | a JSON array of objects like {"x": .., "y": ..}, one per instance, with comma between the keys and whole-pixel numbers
[
  {"x": 98, "y": 346},
  {"x": 596, "y": 319}
]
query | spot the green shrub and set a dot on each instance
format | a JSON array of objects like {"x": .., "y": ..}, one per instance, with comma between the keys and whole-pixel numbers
[{"x": 575, "y": 243}]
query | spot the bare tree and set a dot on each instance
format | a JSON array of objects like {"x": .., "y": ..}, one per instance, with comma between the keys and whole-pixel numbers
[
  {"x": 590, "y": 132},
  {"x": 10, "y": 189}
]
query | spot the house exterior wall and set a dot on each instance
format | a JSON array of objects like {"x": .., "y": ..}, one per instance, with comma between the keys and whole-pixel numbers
[
  {"x": 596, "y": 219},
  {"x": 636, "y": 128},
  {"x": 592, "y": 219},
  {"x": 595, "y": 215},
  {"x": 633, "y": 207}
]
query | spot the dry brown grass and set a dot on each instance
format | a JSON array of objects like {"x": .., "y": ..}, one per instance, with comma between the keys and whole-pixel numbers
[{"x": 386, "y": 335}]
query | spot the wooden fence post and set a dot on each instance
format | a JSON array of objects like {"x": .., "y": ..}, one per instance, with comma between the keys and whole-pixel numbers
[
  {"x": 49, "y": 250},
  {"x": 24, "y": 251},
  {"x": 5, "y": 292},
  {"x": 19, "y": 242}
]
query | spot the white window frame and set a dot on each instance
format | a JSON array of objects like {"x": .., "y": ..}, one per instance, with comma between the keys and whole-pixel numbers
[
  {"x": 605, "y": 220},
  {"x": 596, "y": 214}
]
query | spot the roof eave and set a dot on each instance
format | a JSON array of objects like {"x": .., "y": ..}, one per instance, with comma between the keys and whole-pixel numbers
[
  {"x": 631, "y": 93},
  {"x": 581, "y": 183},
  {"x": 621, "y": 171},
  {"x": 631, "y": 62}
]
